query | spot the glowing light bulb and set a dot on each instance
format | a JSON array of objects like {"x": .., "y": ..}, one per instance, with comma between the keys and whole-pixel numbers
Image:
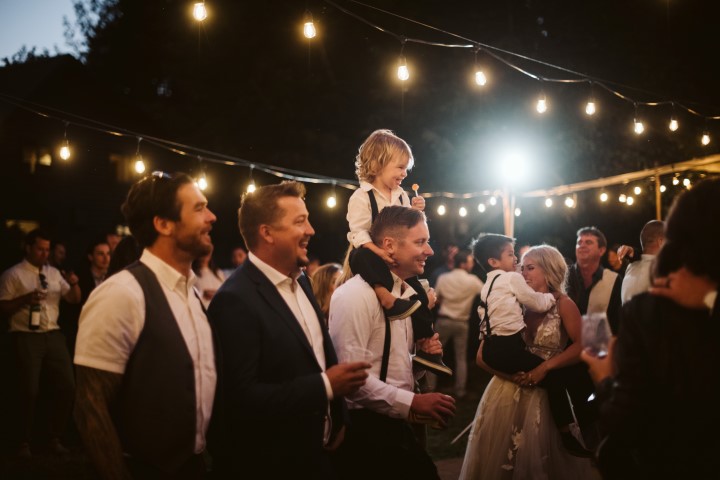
[
  {"x": 590, "y": 108},
  {"x": 251, "y": 187},
  {"x": 622, "y": 198},
  {"x": 673, "y": 126},
  {"x": 629, "y": 200},
  {"x": 308, "y": 26},
  {"x": 403, "y": 73},
  {"x": 663, "y": 188},
  {"x": 676, "y": 181},
  {"x": 548, "y": 202},
  {"x": 481, "y": 208},
  {"x": 139, "y": 165},
  {"x": 569, "y": 202},
  {"x": 462, "y": 212},
  {"x": 603, "y": 197},
  {"x": 480, "y": 78},
  {"x": 686, "y": 182},
  {"x": 202, "y": 182},
  {"x": 441, "y": 210},
  {"x": 518, "y": 212},
  {"x": 637, "y": 190},
  {"x": 639, "y": 127},
  {"x": 199, "y": 11},
  {"x": 541, "y": 106},
  {"x": 705, "y": 139},
  {"x": 493, "y": 200},
  {"x": 65, "y": 151},
  {"x": 331, "y": 201}
]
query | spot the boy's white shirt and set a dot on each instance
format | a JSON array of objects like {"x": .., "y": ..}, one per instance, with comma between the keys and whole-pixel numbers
[
  {"x": 508, "y": 293},
  {"x": 359, "y": 214}
]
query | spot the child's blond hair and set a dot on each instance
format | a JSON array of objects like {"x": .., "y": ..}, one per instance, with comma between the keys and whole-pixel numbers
[{"x": 379, "y": 149}]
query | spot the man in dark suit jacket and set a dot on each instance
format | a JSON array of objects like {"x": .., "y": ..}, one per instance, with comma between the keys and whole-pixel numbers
[{"x": 280, "y": 409}]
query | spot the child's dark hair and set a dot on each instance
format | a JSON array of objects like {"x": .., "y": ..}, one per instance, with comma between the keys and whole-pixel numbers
[{"x": 487, "y": 246}]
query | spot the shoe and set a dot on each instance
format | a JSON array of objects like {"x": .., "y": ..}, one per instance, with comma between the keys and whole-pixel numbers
[
  {"x": 432, "y": 363},
  {"x": 402, "y": 308},
  {"x": 58, "y": 448},
  {"x": 23, "y": 452},
  {"x": 574, "y": 447}
]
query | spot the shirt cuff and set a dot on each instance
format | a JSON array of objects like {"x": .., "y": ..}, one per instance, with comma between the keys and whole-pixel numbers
[
  {"x": 709, "y": 300},
  {"x": 360, "y": 238},
  {"x": 328, "y": 387},
  {"x": 403, "y": 400}
]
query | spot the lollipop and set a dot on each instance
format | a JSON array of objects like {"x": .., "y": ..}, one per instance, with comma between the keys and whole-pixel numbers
[{"x": 415, "y": 187}]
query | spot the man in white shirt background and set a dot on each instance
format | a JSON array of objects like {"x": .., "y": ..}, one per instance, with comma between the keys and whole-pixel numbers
[{"x": 637, "y": 275}]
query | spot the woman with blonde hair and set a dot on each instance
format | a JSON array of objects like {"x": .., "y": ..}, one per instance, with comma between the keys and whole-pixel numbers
[{"x": 324, "y": 280}]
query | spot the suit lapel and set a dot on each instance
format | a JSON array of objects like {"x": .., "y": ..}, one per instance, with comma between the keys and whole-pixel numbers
[
  {"x": 273, "y": 298},
  {"x": 330, "y": 355}
]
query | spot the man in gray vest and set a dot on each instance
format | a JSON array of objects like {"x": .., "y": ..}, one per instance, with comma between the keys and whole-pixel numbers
[
  {"x": 592, "y": 287},
  {"x": 145, "y": 357}
]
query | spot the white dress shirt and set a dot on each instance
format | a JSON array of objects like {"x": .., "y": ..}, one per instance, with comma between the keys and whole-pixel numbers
[
  {"x": 359, "y": 214},
  {"x": 357, "y": 320},
  {"x": 456, "y": 290},
  {"x": 637, "y": 278},
  {"x": 508, "y": 293},
  {"x": 113, "y": 318}
]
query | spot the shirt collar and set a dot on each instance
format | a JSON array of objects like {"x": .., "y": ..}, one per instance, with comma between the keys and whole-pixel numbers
[
  {"x": 367, "y": 186},
  {"x": 275, "y": 277},
  {"x": 29, "y": 266},
  {"x": 167, "y": 275}
]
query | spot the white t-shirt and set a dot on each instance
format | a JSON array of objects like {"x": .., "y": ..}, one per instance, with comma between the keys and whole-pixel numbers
[
  {"x": 457, "y": 290},
  {"x": 637, "y": 278},
  {"x": 113, "y": 318},
  {"x": 359, "y": 214}
]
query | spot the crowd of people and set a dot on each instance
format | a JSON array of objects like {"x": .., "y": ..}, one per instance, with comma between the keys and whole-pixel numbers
[{"x": 283, "y": 367}]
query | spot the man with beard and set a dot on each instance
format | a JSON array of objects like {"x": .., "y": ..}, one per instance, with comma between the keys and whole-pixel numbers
[
  {"x": 145, "y": 356},
  {"x": 280, "y": 408}
]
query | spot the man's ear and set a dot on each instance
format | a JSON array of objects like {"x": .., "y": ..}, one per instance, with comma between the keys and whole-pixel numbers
[
  {"x": 602, "y": 251},
  {"x": 164, "y": 226},
  {"x": 388, "y": 244},
  {"x": 266, "y": 234}
]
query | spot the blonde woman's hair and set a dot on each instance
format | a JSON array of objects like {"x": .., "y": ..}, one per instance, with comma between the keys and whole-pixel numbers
[
  {"x": 378, "y": 150},
  {"x": 322, "y": 283},
  {"x": 552, "y": 263},
  {"x": 346, "y": 273}
]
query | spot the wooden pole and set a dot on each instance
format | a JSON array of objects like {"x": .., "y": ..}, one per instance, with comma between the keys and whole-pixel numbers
[
  {"x": 508, "y": 212},
  {"x": 658, "y": 199}
]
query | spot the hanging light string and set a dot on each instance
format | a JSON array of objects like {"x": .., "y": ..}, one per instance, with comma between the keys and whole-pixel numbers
[{"x": 495, "y": 51}]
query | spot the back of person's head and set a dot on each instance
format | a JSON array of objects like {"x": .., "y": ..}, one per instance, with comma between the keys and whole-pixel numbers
[
  {"x": 691, "y": 232},
  {"x": 652, "y": 234},
  {"x": 394, "y": 222},
  {"x": 324, "y": 282},
  {"x": 552, "y": 263},
  {"x": 378, "y": 150},
  {"x": 461, "y": 257},
  {"x": 153, "y": 196},
  {"x": 487, "y": 246},
  {"x": 126, "y": 252},
  {"x": 261, "y": 207},
  {"x": 595, "y": 232}
]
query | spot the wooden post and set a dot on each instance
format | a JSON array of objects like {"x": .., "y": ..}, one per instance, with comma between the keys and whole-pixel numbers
[
  {"x": 508, "y": 211},
  {"x": 658, "y": 198}
]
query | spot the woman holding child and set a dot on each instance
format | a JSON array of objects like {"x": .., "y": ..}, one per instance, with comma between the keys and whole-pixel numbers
[{"x": 514, "y": 435}]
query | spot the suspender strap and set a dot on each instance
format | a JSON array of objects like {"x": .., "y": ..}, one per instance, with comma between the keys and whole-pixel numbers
[
  {"x": 374, "y": 206},
  {"x": 487, "y": 307},
  {"x": 386, "y": 352}
]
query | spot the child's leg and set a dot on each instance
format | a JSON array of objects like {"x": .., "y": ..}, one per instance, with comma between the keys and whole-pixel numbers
[
  {"x": 507, "y": 354},
  {"x": 422, "y": 319}
]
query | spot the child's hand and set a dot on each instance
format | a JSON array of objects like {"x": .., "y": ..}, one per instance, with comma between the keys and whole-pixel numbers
[
  {"x": 430, "y": 345},
  {"x": 387, "y": 258},
  {"x": 418, "y": 203}
]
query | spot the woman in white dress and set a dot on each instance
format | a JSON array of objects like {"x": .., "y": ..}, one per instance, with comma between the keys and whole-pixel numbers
[{"x": 513, "y": 435}]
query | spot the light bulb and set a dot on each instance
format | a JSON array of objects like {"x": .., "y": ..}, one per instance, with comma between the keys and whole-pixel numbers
[
  {"x": 462, "y": 212},
  {"x": 569, "y": 202},
  {"x": 518, "y": 212},
  {"x": 686, "y": 182},
  {"x": 199, "y": 11},
  {"x": 548, "y": 202},
  {"x": 480, "y": 78},
  {"x": 673, "y": 125},
  {"x": 639, "y": 127},
  {"x": 403, "y": 73},
  {"x": 309, "y": 30},
  {"x": 637, "y": 190},
  {"x": 590, "y": 108},
  {"x": 331, "y": 201},
  {"x": 603, "y": 197},
  {"x": 65, "y": 151},
  {"x": 676, "y": 181},
  {"x": 493, "y": 200},
  {"x": 705, "y": 139},
  {"x": 629, "y": 200},
  {"x": 622, "y": 198},
  {"x": 251, "y": 187},
  {"x": 541, "y": 105},
  {"x": 139, "y": 165},
  {"x": 481, "y": 207},
  {"x": 441, "y": 210},
  {"x": 202, "y": 183},
  {"x": 663, "y": 188}
]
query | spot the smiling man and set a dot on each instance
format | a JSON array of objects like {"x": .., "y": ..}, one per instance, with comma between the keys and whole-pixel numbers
[
  {"x": 280, "y": 410},
  {"x": 592, "y": 287},
  {"x": 145, "y": 356}
]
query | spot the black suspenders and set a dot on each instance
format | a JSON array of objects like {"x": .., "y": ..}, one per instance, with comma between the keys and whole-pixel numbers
[
  {"x": 485, "y": 305},
  {"x": 374, "y": 206}
]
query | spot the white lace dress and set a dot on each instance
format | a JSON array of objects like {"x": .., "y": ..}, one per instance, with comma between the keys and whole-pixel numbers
[{"x": 513, "y": 435}]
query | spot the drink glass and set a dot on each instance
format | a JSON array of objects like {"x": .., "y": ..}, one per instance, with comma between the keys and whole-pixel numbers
[
  {"x": 356, "y": 353},
  {"x": 596, "y": 334},
  {"x": 425, "y": 283}
]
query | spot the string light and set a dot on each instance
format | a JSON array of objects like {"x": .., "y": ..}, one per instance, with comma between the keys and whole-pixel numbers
[
  {"x": 705, "y": 140},
  {"x": 251, "y": 185},
  {"x": 673, "y": 125},
  {"x": 590, "y": 107},
  {"x": 493, "y": 201},
  {"x": 686, "y": 182},
  {"x": 199, "y": 11},
  {"x": 308, "y": 26},
  {"x": 139, "y": 162},
  {"x": 629, "y": 200},
  {"x": 541, "y": 106},
  {"x": 603, "y": 197},
  {"x": 676, "y": 180},
  {"x": 518, "y": 212},
  {"x": 548, "y": 202},
  {"x": 202, "y": 182},
  {"x": 441, "y": 210},
  {"x": 663, "y": 188},
  {"x": 569, "y": 202},
  {"x": 622, "y": 198},
  {"x": 462, "y": 212},
  {"x": 481, "y": 208},
  {"x": 65, "y": 149},
  {"x": 638, "y": 125},
  {"x": 403, "y": 73},
  {"x": 480, "y": 78},
  {"x": 637, "y": 190},
  {"x": 332, "y": 199}
]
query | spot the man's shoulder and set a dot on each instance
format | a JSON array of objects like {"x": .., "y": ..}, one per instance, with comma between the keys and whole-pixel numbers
[
  {"x": 10, "y": 272},
  {"x": 355, "y": 292}
]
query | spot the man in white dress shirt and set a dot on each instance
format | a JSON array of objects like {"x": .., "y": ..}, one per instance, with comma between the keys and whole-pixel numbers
[
  {"x": 637, "y": 275},
  {"x": 380, "y": 442}
]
